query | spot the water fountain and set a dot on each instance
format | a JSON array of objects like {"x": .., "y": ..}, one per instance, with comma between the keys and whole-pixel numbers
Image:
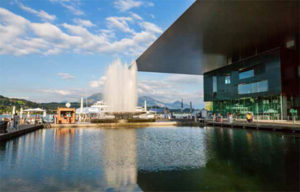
[{"x": 120, "y": 91}]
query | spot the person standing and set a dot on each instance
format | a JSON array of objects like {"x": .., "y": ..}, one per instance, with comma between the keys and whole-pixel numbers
[
  {"x": 16, "y": 120},
  {"x": 230, "y": 118},
  {"x": 249, "y": 117}
]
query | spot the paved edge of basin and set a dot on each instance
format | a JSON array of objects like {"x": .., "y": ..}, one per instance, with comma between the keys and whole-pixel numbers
[
  {"x": 141, "y": 124},
  {"x": 17, "y": 133},
  {"x": 258, "y": 126},
  {"x": 281, "y": 127}
]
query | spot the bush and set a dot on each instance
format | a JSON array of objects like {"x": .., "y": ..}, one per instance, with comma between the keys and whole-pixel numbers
[
  {"x": 137, "y": 120},
  {"x": 131, "y": 120},
  {"x": 104, "y": 121}
]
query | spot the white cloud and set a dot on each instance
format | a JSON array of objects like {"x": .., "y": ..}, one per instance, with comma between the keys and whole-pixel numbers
[
  {"x": 58, "y": 95},
  {"x": 124, "y": 5},
  {"x": 134, "y": 45},
  {"x": 108, "y": 33},
  {"x": 83, "y": 23},
  {"x": 152, "y": 16},
  {"x": 71, "y": 5},
  {"x": 60, "y": 1},
  {"x": 19, "y": 36},
  {"x": 174, "y": 88},
  {"x": 98, "y": 83},
  {"x": 73, "y": 9},
  {"x": 185, "y": 79},
  {"x": 46, "y": 31},
  {"x": 120, "y": 23},
  {"x": 42, "y": 14},
  {"x": 13, "y": 97},
  {"x": 56, "y": 91},
  {"x": 169, "y": 89},
  {"x": 149, "y": 4},
  {"x": 151, "y": 27},
  {"x": 66, "y": 76},
  {"x": 136, "y": 16}
]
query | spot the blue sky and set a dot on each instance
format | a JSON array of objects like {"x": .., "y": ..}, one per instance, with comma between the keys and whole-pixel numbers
[{"x": 58, "y": 50}]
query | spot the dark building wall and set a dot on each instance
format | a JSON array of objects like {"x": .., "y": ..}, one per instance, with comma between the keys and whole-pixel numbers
[
  {"x": 265, "y": 67},
  {"x": 290, "y": 56},
  {"x": 290, "y": 71},
  {"x": 290, "y": 76}
]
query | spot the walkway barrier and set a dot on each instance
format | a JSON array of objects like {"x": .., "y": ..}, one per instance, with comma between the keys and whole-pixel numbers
[
  {"x": 275, "y": 125},
  {"x": 3, "y": 126}
]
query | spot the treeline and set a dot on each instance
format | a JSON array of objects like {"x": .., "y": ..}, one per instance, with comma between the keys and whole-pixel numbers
[{"x": 6, "y": 105}]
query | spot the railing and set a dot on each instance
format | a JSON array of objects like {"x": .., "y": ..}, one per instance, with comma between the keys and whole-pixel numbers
[
  {"x": 261, "y": 118},
  {"x": 271, "y": 118},
  {"x": 23, "y": 123}
]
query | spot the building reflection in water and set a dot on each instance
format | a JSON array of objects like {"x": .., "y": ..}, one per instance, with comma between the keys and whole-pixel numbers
[
  {"x": 64, "y": 140},
  {"x": 235, "y": 160},
  {"x": 267, "y": 160}
]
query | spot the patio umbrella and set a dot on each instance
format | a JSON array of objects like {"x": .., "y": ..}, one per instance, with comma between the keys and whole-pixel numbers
[
  {"x": 21, "y": 113},
  {"x": 269, "y": 111},
  {"x": 13, "y": 111},
  {"x": 245, "y": 112},
  {"x": 37, "y": 110},
  {"x": 81, "y": 105}
]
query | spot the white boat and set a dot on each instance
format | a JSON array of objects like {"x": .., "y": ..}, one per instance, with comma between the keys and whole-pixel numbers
[{"x": 101, "y": 110}]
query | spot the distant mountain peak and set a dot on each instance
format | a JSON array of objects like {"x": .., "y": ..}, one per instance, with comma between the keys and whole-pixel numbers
[{"x": 150, "y": 101}]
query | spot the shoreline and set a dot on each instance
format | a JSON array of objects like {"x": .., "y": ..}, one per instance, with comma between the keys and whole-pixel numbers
[
  {"x": 259, "y": 126},
  {"x": 19, "y": 132},
  {"x": 112, "y": 125},
  {"x": 266, "y": 126}
]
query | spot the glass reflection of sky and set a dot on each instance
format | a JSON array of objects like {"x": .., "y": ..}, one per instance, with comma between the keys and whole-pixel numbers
[{"x": 171, "y": 148}]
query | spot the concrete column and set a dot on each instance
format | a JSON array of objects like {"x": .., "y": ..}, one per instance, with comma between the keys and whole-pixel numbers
[{"x": 283, "y": 102}]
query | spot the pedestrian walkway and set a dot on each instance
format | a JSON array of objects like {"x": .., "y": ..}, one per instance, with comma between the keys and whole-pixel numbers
[
  {"x": 272, "y": 125},
  {"x": 15, "y": 132}
]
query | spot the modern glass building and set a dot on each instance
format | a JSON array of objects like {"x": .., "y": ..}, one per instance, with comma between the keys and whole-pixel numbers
[
  {"x": 252, "y": 85},
  {"x": 248, "y": 52}
]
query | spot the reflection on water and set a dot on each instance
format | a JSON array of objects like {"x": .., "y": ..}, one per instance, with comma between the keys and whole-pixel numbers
[
  {"x": 119, "y": 159},
  {"x": 149, "y": 159},
  {"x": 161, "y": 149},
  {"x": 70, "y": 159}
]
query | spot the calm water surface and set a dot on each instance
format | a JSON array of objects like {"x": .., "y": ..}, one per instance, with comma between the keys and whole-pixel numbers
[{"x": 150, "y": 159}]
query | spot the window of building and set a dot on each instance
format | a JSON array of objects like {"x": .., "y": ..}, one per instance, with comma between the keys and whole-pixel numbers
[
  {"x": 246, "y": 74},
  {"x": 227, "y": 79},
  {"x": 257, "y": 87},
  {"x": 214, "y": 84},
  {"x": 260, "y": 69}
]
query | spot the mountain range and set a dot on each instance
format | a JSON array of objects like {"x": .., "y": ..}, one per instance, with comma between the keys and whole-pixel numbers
[
  {"x": 150, "y": 101},
  {"x": 6, "y": 104}
]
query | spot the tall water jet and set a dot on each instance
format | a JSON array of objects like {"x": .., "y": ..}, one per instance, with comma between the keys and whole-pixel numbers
[{"x": 120, "y": 91}]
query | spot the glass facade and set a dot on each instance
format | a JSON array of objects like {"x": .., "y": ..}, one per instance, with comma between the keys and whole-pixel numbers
[
  {"x": 265, "y": 107},
  {"x": 246, "y": 74},
  {"x": 227, "y": 79},
  {"x": 253, "y": 85},
  {"x": 214, "y": 84},
  {"x": 257, "y": 87}
]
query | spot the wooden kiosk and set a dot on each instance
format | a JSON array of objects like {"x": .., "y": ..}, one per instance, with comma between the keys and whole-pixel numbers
[{"x": 65, "y": 115}]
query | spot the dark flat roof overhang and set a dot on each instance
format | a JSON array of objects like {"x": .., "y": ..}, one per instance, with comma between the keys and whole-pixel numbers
[{"x": 210, "y": 31}]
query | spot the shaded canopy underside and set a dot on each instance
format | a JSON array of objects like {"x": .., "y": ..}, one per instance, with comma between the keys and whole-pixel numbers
[{"x": 209, "y": 32}]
